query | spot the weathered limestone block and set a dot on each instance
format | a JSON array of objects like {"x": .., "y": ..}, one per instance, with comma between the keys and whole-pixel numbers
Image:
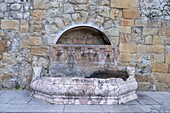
[
  {"x": 141, "y": 48},
  {"x": 79, "y": 1},
  {"x": 10, "y": 25},
  {"x": 24, "y": 26},
  {"x": 3, "y": 6},
  {"x": 141, "y": 22},
  {"x": 126, "y": 22},
  {"x": 155, "y": 49},
  {"x": 159, "y": 58},
  {"x": 39, "y": 51},
  {"x": 127, "y": 47},
  {"x": 36, "y": 28},
  {"x": 125, "y": 57},
  {"x": 68, "y": 8},
  {"x": 6, "y": 76},
  {"x": 2, "y": 45},
  {"x": 158, "y": 39},
  {"x": 112, "y": 32},
  {"x": 59, "y": 23},
  {"x": 137, "y": 57},
  {"x": 160, "y": 67},
  {"x": 131, "y": 13},
  {"x": 15, "y": 6},
  {"x": 126, "y": 38},
  {"x": 120, "y": 3},
  {"x": 124, "y": 29},
  {"x": 81, "y": 7},
  {"x": 167, "y": 57},
  {"x": 104, "y": 11},
  {"x": 162, "y": 77},
  {"x": 6, "y": 58},
  {"x": 76, "y": 17},
  {"x": 41, "y": 4},
  {"x": 35, "y": 41},
  {"x": 38, "y": 14},
  {"x": 112, "y": 14},
  {"x": 150, "y": 31},
  {"x": 167, "y": 41},
  {"x": 148, "y": 39}
]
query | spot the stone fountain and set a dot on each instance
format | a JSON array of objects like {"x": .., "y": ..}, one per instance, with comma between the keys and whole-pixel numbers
[{"x": 83, "y": 70}]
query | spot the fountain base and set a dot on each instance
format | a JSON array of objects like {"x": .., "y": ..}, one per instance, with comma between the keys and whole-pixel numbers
[{"x": 78, "y": 90}]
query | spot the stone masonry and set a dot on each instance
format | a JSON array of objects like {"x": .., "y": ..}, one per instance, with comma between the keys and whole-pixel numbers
[{"x": 141, "y": 34}]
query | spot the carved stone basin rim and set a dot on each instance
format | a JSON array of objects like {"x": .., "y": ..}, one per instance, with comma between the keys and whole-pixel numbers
[{"x": 78, "y": 90}]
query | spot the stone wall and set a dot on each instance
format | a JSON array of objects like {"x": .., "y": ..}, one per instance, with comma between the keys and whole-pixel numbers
[{"x": 28, "y": 27}]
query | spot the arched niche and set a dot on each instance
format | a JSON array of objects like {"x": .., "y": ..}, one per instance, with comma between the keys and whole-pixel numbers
[{"x": 82, "y": 35}]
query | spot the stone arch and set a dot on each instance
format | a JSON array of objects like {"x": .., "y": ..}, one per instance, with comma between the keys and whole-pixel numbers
[{"x": 91, "y": 28}]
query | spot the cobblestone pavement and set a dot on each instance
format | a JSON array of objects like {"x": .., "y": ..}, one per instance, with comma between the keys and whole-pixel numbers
[{"x": 21, "y": 101}]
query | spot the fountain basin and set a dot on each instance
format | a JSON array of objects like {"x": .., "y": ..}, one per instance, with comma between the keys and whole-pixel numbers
[{"x": 78, "y": 90}]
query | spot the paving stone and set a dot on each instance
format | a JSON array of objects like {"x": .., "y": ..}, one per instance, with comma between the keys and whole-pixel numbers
[
  {"x": 5, "y": 100},
  {"x": 121, "y": 108},
  {"x": 147, "y": 101},
  {"x": 20, "y": 100},
  {"x": 83, "y": 109},
  {"x": 148, "y": 108},
  {"x": 162, "y": 108},
  {"x": 36, "y": 108},
  {"x": 154, "y": 94},
  {"x": 9, "y": 93},
  {"x": 4, "y": 107},
  {"x": 35, "y": 101},
  {"x": 165, "y": 94}
]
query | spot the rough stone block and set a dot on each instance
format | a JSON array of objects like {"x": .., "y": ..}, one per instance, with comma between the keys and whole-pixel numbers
[
  {"x": 6, "y": 58},
  {"x": 162, "y": 77},
  {"x": 131, "y": 13},
  {"x": 167, "y": 57},
  {"x": 39, "y": 51},
  {"x": 141, "y": 48},
  {"x": 137, "y": 57},
  {"x": 127, "y": 47},
  {"x": 2, "y": 45},
  {"x": 155, "y": 49},
  {"x": 37, "y": 28},
  {"x": 167, "y": 41},
  {"x": 168, "y": 33},
  {"x": 148, "y": 39},
  {"x": 124, "y": 29},
  {"x": 112, "y": 14},
  {"x": 126, "y": 22},
  {"x": 120, "y": 3},
  {"x": 159, "y": 58},
  {"x": 144, "y": 86},
  {"x": 133, "y": 3},
  {"x": 125, "y": 57},
  {"x": 150, "y": 31},
  {"x": 158, "y": 39},
  {"x": 167, "y": 49},
  {"x": 160, "y": 67},
  {"x": 1, "y": 32},
  {"x": 141, "y": 23},
  {"x": 126, "y": 38},
  {"x": 35, "y": 41},
  {"x": 38, "y": 14},
  {"x": 162, "y": 31},
  {"x": 6, "y": 76},
  {"x": 41, "y": 4},
  {"x": 24, "y": 26},
  {"x": 10, "y": 25}
]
